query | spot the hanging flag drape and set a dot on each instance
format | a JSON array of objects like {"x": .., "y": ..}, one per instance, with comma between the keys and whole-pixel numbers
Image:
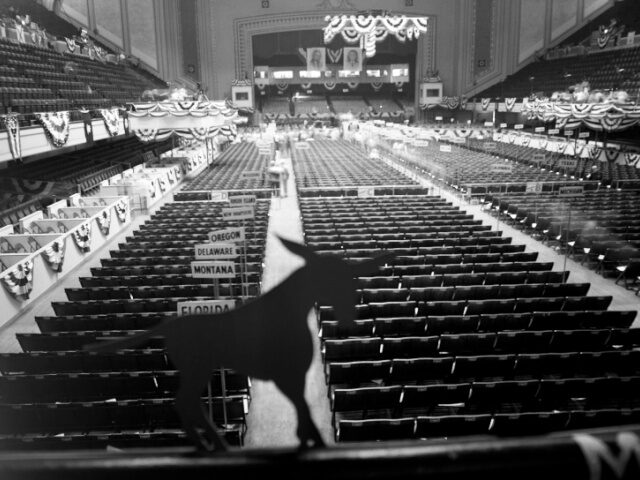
[
  {"x": 19, "y": 280},
  {"x": 56, "y": 124},
  {"x": 53, "y": 254},
  {"x": 13, "y": 135}
]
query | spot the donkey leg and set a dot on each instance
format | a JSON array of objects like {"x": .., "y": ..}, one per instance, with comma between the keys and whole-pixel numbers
[
  {"x": 307, "y": 431},
  {"x": 190, "y": 409}
]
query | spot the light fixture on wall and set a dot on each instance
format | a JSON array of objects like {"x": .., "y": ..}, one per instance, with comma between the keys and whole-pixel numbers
[{"x": 369, "y": 28}]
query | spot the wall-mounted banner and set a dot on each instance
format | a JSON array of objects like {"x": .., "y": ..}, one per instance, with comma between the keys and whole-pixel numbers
[
  {"x": 236, "y": 234},
  {"x": 213, "y": 269}
]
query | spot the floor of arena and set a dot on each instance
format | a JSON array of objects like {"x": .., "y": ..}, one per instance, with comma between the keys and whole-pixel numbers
[{"x": 271, "y": 421}]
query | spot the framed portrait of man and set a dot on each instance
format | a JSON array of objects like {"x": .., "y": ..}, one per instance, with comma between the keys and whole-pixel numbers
[
  {"x": 316, "y": 58},
  {"x": 352, "y": 59}
]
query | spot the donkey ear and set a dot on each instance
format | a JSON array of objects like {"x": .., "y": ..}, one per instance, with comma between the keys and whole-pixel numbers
[
  {"x": 371, "y": 265},
  {"x": 298, "y": 248}
]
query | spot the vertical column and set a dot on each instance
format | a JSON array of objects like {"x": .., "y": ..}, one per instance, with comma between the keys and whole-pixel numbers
[
  {"x": 205, "y": 25},
  {"x": 91, "y": 16},
  {"x": 124, "y": 15}
]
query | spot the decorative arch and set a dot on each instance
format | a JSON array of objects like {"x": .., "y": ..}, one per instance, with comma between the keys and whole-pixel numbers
[{"x": 245, "y": 28}]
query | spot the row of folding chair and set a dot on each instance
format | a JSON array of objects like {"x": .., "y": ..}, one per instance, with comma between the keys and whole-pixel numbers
[
  {"x": 487, "y": 322},
  {"x": 501, "y": 424},
  {"x": 471, "y": 307},
  {"x": 538, "y": 341},
  {"x": 160, "y": 291},
  {"x": 468, "y": 368},
  {"x": 460, "y": 279},
  {"x": 55, "y": 418}
]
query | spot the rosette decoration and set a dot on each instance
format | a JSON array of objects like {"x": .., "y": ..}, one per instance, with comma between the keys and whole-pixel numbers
[
  {"x": 56, "y": 124},
  {"x": 104, "y": 221},
  {"x": 82, "y": 237},
  {"x": 53, "y": 254},
  {"x": 367, "y": 30},
  {"x": 121, "y": 210},
  {"x": 484, "y": 103},
  {"x": 110, "y": 118},
  {"x": 19, "y": 280}
]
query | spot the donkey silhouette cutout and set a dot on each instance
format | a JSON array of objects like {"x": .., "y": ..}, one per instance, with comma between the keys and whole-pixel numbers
[{"x": 266, "y": 338}]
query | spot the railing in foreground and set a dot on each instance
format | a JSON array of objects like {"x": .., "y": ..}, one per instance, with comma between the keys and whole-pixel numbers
[{"x": 608, "y": 453}]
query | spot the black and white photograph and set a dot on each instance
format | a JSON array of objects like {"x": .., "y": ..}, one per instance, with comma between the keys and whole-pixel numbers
[{"x": 319, "y": 239}]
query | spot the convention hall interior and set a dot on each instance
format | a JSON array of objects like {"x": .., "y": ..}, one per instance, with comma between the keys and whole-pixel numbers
[{"x": 381, "y": 239}]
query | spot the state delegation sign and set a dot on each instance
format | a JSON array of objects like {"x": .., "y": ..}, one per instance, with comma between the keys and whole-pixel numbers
[
  {"x": 216, "y": 251},
  {"x": 213, "y": 269},
  {"x": 205, "y": 307},
  {"x": 236, "y": 234}
]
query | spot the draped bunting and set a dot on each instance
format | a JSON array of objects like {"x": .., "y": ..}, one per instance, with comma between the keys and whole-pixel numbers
[
  {"x": 53, "y": 254},
  {"x": 282, "y": 86},
  {"x": 597, "y": 116},
  {"x": 376, "y": 85},
  {"x": 330, "y": 85},
  {"x": 631, "y": 158},
  {"x": 19, "y": 280},
  {"x": 110, "y": 118},
  {"x": 82, "y": 237},
  {"x": 509, "y": 103},
  {"x": 181, "y": 109},
  {"x": 485, "y": 103},
  {"x": 56, "y": 124},
  {"x": 352, "y": 85},
  {"x": 121, "y": 210},
  {"x": 369, "y": 29},
  {"x": 305, "y": 86},
  {"x": 71, "y": 44},
  {"x": 450, "y": 102},
  {"x": 104, "y": 221},
  {"x": 13, "y": 135},
  {"x": 334, "y": 55}
]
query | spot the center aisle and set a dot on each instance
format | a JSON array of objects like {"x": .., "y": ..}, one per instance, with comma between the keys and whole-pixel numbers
[{"x": 272, "y": 420}]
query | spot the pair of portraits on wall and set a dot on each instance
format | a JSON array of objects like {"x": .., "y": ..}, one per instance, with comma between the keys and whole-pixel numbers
[{"x": 351, "y": 59}]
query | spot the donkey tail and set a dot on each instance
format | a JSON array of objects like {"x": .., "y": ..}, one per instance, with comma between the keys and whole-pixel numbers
[{"x": 124, "y": 342}]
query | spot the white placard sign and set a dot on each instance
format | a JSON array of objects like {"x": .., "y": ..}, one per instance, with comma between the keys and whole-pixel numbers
[
  {"x": 216, "y": 251},
  {"x": 302, "y": 145},
  {"x": 553, "y": 131},
  {"x": 251, "y": 174},
  {"x": 213, "y": 269},
  {"x": 490, "y": 145},
  {"x": 238, "y": 213},
  {"x": 236, "y": 234},
  {"x": 219, "y": 196},
  {"x": 503, "y": 125},
  {"x": 518, "y": 126},
  {"x": 205, "y": 307},
  {"x": 568, "y": 133},
  {"x": 236, "y": 200},
  {"x": 366, "y": 192},
  {"x": 539, "y": 129},
  {"x": 570, "y": 191},
  {"x": 488, "y": 124},
  {"x": 539, "y": 158},
  {"x": 445, "y": 148},
  {"x": 534, "y": 187},
  {"x": 264, "y": 151},
  {"x": 567, "y": 163},
  {"x": 583, "y": 135},
  {"x": 501, "y": 168}
]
